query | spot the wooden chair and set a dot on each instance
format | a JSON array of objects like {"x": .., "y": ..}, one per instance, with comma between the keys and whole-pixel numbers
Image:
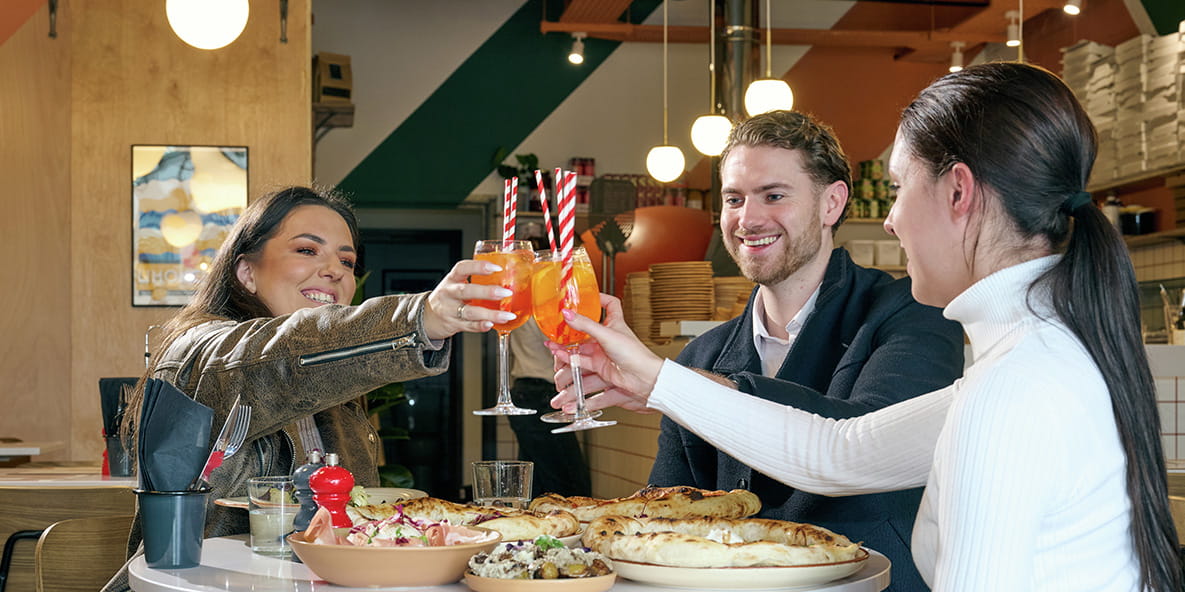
[
  {"x": 81, "y": 554},
  {"x": 29, "y": 509}
]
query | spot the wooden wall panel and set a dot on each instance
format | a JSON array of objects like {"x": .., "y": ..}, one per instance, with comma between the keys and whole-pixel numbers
[
  {"x": 621, "y": 456},
  {"x": 135, "y": 82},
  {"x": 117, "y": 76},
  {"x": 34, "y": 163}
]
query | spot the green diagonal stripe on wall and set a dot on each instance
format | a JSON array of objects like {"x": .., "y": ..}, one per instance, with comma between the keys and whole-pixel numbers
[
  {"x": 496, "y": 98},
  {"x": 1165, "y": 15}
]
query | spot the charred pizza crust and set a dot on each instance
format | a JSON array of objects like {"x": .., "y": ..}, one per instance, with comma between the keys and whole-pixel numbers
[
  {"x": 668, "y": 502},
  {"x": 513, "y": 523},
  {"x": 716, "y": 542}
]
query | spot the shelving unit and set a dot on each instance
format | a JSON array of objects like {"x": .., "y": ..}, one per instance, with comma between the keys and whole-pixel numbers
[
  {"x": 1138, "y": 181},
  {"x": 1155, "y": 238},
  {"x": 327, "y": 116}
]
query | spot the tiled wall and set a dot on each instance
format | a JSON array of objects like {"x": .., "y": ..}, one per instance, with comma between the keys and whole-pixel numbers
[
  {"x": 1166, "y": 261},
  {"x": 619, "y": 456},
  {"x": 1162, "y": 261}
]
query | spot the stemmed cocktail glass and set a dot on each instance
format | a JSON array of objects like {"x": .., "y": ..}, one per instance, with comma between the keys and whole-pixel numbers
[
  {"x": 517, "y": 261},
  {"x": 550, "y": 296}
]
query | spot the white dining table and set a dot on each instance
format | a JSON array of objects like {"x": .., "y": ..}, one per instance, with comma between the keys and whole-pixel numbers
[{"x": 228, "y": 565}]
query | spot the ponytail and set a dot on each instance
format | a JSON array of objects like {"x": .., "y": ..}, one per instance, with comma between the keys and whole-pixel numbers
[{"x": 1095, "y": 294}]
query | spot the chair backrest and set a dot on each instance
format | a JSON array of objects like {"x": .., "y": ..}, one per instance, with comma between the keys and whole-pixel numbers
[
  {"x": 28, "y": 508},
  {"x": 81, "y": 554}
]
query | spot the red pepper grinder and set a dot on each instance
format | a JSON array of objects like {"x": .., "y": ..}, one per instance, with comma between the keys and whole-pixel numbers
[{"x": 331, "y": 485}]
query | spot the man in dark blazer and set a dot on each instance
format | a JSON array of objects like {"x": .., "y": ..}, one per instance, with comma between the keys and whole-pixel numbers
[{"x": 820, "y": 333}]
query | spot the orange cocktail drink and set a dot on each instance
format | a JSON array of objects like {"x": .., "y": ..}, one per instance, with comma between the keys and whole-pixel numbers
[
  {"x": 517, "y": 260},
  {"x": 549, "y": 296},
  {"x": 515, "y": 276}
]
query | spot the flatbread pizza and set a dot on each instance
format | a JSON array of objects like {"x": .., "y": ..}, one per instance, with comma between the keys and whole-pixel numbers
[
  {"x": 514, "y": 524},
  {"x": 716, "y": 542},
  {"x": 668, "y": 502}
]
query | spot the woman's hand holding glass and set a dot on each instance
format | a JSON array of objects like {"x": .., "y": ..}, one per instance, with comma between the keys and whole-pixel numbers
[
  {"x": 616, "y": 362},
  {"x": 516, "y": 260},
  {"x": 447, "y": 311}
]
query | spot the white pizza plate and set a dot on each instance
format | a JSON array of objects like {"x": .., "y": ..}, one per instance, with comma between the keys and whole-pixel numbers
[
  {"x": 739, "y": 578},
  {"x": 376, "y": 495}
]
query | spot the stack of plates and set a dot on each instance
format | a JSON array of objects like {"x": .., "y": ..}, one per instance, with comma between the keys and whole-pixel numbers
[
  {"x": 635, "y": 303},
  {"x": 729, "y": 291},
  {"x": 680, "y": 291}
]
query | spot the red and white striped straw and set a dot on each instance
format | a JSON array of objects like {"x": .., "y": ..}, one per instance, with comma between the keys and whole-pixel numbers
[
  {"x": 567, "y": 228},
  {"x": 509, "y": 205},
  {"x": 559, "y": 186},
  {"x": 546, "y": 214}
]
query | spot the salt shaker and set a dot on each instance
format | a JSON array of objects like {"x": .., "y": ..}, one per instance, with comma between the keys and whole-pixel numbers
[
  {"x": 304, "y": 494},
  {"x": 331, "y": 485}
]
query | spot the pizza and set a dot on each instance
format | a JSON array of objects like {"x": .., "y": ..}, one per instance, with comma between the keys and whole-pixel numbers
[
  {"x": 668, "y": 502},
  {"x": 514, "y": 524},
  {"x": 717, "y": 542}
]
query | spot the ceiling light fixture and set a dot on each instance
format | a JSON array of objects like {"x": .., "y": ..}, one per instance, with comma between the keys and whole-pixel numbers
[
  {"x": 769, "y": 93},
  {"x": 1013, "y": 28},
  {"x": 207, "y": 24},
  {"x": 665, "y": 163},
  {"x": 709, "y": 133},
  {"x": 576, "y": 56},
  {"x": 1073, "y": 7},
  {"x": 956, "y": 57}
]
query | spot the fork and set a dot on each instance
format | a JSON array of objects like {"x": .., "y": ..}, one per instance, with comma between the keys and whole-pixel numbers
[{"x": 230, "y": 439}]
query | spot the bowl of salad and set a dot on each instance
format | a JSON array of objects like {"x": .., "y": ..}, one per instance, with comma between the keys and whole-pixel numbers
[{"x": 394, "y": 552}]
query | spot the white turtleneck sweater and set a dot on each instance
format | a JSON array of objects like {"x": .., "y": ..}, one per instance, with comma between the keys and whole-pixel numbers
[{"x": 1021, "y": 459}]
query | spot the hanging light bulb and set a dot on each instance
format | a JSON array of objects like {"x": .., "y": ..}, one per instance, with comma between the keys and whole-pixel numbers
[
  {"x": 769, "y": 93},
  {"x": 1073, "y": 7},
  {"x": 576, "y": 56},
  {"x": 1013, "y": 28},
  {"x": 956, "y": 57},
  {"x": 665, "y": 162},
  {"x": 207, "y": 24},
  {"x": 709, "y": 133}
]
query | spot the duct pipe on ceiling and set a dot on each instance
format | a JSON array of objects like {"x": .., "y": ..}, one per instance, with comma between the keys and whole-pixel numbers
[{"x": 742, "y": 60}]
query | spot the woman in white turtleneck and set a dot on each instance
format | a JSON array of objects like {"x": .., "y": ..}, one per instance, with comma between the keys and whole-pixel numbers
[{"x": 1042, "y": 465}]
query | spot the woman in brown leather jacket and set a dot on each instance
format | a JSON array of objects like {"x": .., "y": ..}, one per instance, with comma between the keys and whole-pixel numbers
[{"x": 271, "y": 323}]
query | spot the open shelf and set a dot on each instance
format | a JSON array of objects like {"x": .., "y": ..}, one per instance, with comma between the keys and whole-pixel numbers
[
  {"x": 1138, "y": 181},
  {"x": 1145, "y": 240}
]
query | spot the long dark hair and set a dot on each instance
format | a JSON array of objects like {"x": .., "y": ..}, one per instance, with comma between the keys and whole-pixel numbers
[
  {"x": 1023, "y": 134},
  {"x": 221, "y": 296}
]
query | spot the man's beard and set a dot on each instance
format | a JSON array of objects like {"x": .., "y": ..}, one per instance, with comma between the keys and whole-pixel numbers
[{"x": 772, "y": 268}]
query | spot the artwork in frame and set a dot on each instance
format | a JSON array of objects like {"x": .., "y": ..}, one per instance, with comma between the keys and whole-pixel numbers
[{"x": 185, "y": 199}]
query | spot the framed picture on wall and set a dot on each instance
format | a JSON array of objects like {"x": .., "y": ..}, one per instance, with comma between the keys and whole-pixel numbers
[{"x": 185, "y": 199}]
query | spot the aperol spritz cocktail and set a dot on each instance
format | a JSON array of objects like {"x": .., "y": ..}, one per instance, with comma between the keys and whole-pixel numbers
[
  {"x": 517, "y": 259},
  {"x": 551, "y": 297}
]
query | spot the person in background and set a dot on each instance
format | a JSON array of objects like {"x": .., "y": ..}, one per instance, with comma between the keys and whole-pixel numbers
[
  {"x": 560, "y": 466},
  {"x": 820, "y": 333},
  {"x": 271, "y": 322},
  {"x": 1043, "y": 465}
]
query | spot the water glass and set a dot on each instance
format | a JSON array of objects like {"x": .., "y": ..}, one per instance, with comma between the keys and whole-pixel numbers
[
  {"x": 273, "y": 507},
  {"x": 502, "y": 482}
]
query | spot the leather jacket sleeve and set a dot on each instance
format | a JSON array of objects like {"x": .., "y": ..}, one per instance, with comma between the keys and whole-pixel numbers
[{"x": 291, "y": 366}]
